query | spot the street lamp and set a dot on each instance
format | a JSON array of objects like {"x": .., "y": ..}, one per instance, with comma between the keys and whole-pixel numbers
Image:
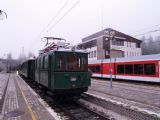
[
  {"x": 2, "y": 15},
  {"x": 111, "y": 35}
]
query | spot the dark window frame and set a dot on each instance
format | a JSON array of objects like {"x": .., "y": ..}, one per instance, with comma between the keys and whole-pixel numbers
[
  {"x": 120, "y": 70},
  {"x": 129, "y": 69},
  {"x": 138, "y": 69},
  {"x": 149, "y": 69},
  {"x": 75, "y": 63}
]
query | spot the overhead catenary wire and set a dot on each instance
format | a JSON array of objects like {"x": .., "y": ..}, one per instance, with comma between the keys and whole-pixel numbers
[
  {"x": 59, "y": 11},
  {"x": 50, "y": 22},
  {"x": 62, "y": 16},
  {"x": 152, "y": 31},
  {"x": 146, "y": 28}
]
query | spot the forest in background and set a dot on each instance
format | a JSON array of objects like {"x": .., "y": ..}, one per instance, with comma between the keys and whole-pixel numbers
[{"x": 150, "y": 45}]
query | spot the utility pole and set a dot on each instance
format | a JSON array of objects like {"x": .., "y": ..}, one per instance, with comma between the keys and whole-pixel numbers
[{"x": 111, "y": 35}]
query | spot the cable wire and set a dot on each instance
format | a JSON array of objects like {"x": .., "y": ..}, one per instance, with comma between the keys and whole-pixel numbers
[
  {"x": 60, "y": 10},
  {"x": 63, "y": 16},
  {"x": 152, "y": 31},
  {"x": 145, "y": 29}
]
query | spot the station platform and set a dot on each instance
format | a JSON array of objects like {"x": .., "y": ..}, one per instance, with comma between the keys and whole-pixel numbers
[
  {"x": 143, "y": 98},
  {"x": 19, "y": 102}
]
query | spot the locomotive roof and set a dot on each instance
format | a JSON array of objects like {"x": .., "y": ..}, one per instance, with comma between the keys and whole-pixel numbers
[
  {"x": 63, "y": 50},
  {"x": 129, "y": 59}
]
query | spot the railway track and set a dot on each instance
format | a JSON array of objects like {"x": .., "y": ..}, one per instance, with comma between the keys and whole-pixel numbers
[
  {"x": 76, "y": 111},
  {"x": 69, "y": 110}
]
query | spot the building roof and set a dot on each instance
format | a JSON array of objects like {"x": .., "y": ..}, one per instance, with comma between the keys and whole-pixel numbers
[{"x": 117, "y": 34}]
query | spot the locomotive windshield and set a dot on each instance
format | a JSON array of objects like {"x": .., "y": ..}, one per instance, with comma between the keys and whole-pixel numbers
[{"x": 71, "y": 62}]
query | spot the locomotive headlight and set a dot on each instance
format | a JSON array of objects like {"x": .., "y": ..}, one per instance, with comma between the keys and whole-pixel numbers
[{"x": 73, "y": 79}]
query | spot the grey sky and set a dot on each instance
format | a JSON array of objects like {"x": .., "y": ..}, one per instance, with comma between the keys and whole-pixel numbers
[{"x": 27, "y": 19}]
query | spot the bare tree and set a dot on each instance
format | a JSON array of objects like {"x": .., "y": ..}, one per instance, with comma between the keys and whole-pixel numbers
[
  {"x": 144, "y": 46},
  {"x": 9, "y": 56},
  {"x": 9, "y": 62},
  {"x": 157, "y": 44},
  {"x": 150, "y": 45}
]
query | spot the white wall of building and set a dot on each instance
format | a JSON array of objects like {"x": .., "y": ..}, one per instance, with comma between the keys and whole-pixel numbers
[
  {"x": 129, "y": 49},
  {"x": 92, "y": 53}
]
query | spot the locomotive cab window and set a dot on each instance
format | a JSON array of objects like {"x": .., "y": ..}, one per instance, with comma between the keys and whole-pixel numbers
[
  {"x": 84, "y": 63},
  {"x": 73, "y": 63},
  {"x": 60, "y": 63},
  {"x": 149, "y": 69}
]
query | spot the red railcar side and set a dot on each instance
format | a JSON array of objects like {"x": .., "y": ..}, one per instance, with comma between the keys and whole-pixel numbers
[{"x": 139, "y": 70}]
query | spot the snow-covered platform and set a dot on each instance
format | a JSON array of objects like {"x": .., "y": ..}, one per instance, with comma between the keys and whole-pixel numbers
[
  {"x": 19, "y": 102},
  {"x": 139, "y": 97}
]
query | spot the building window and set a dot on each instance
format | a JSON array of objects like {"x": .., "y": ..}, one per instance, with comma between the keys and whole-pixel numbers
[
  {"x": 91, "y": 54},
  {"x": 118, "y": 42},
  {"x": 126, "y": 54},
  {"x": 138, "y": 45},
  {"x": 95, "y": 53}
]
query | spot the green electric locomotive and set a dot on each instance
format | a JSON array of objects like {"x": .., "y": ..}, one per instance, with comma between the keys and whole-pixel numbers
[{"x": 62, "y": 70}]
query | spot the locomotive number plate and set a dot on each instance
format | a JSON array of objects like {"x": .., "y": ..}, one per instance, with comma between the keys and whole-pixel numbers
[{"x": 73, "y": 79}]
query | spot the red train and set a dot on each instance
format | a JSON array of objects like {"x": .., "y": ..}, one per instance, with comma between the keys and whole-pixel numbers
[{"x": 141, "y": 68}]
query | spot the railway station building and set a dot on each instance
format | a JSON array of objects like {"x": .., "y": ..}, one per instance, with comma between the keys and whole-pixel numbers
[{"x": 110, "y": 42}]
